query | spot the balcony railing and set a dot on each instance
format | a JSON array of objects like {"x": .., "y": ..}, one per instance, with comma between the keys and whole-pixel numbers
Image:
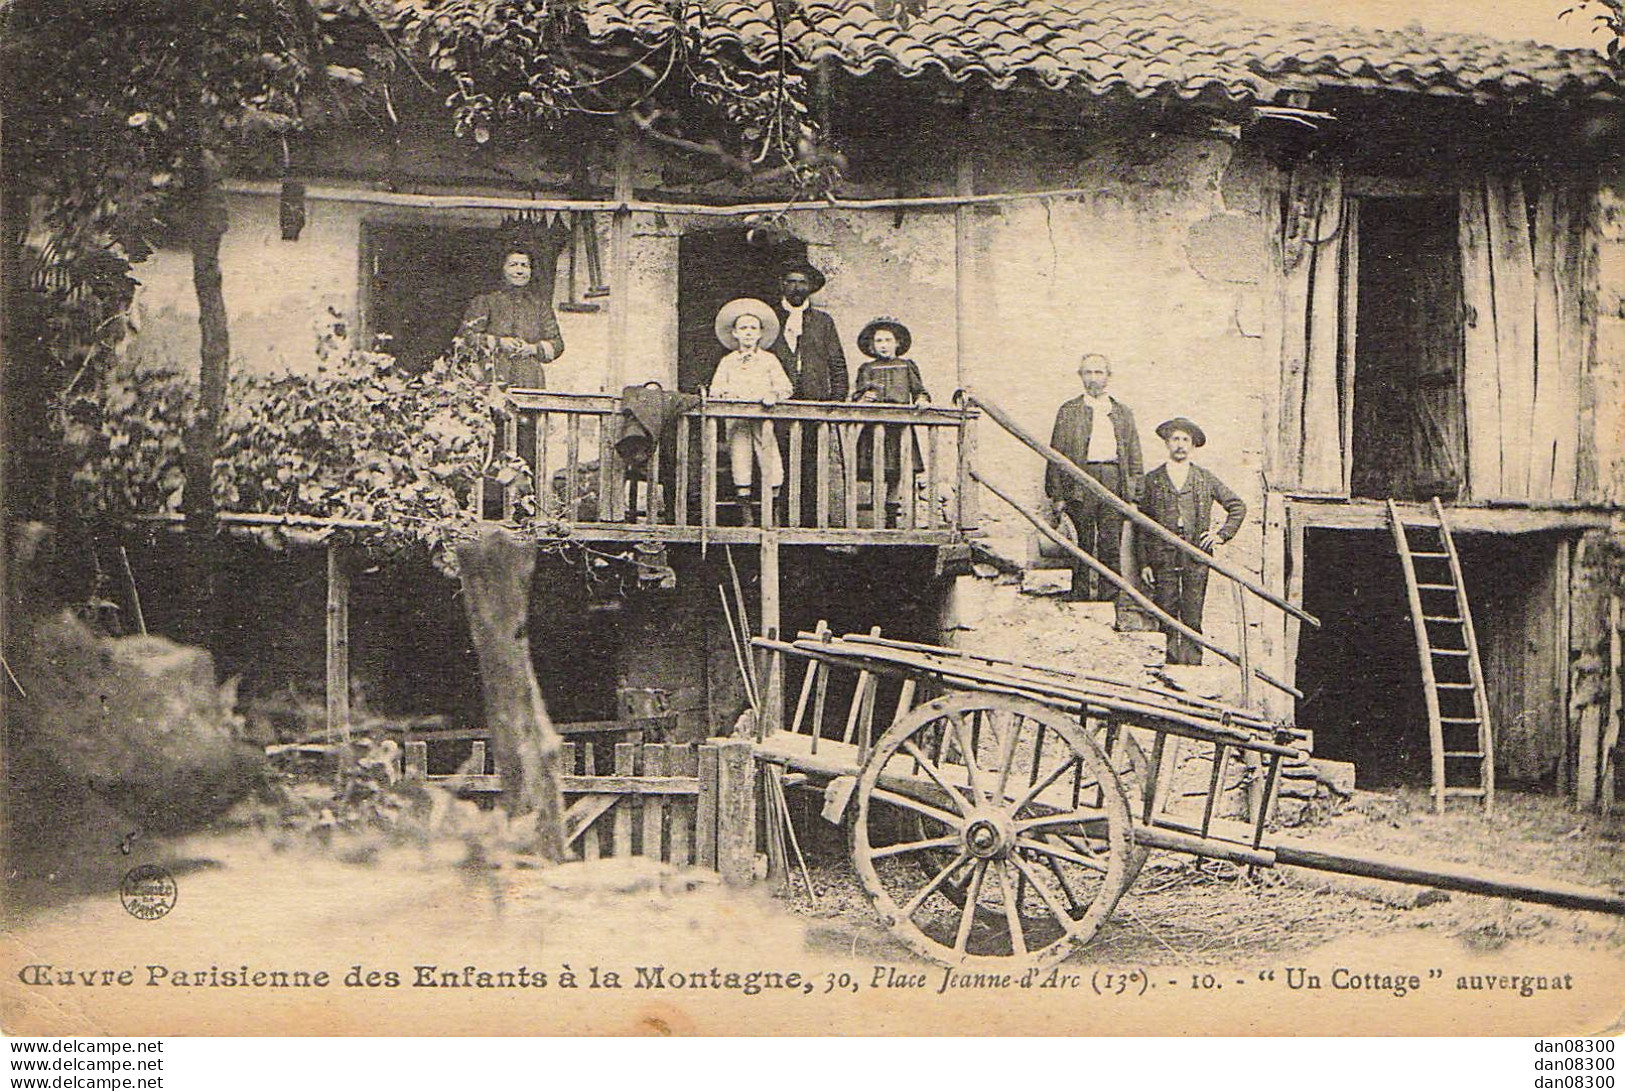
[{"x": 684, "y": 490}]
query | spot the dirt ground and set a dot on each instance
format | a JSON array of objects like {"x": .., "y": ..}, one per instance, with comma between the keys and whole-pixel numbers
[{"x": 1193, "y": 912}]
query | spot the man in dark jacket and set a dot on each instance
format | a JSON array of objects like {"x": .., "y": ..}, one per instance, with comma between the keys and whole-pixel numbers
[
  {"x": 809, "y": 347},
  {"x": 1180, "y": 495},
  {"x": 1111, "y": 455}
]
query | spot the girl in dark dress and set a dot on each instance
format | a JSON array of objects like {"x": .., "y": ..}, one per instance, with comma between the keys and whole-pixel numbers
[{"x": 888, "y": 376}]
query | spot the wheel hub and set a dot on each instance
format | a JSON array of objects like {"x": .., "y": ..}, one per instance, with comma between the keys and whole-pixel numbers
[{"x": 988, "y": 838}]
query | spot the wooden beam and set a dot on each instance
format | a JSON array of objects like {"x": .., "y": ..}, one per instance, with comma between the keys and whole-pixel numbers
[
  {"x": 620, "y": 276},
  {"x": 338, "y": 647},
  {"x": 772, "y": 711},
  {"x": 964, "y": 186},
  {"x": 1464, "y": 519},
  {"x": 736, "y": 811}
]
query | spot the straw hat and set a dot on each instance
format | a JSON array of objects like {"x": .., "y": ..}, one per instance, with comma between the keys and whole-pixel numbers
[
  {"x": 734, "y": 308},
  {"x": 866, "y": 336},
  {"x": 1186, "y": 425}
]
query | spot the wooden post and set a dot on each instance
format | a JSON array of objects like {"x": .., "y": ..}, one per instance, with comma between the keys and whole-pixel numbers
[
  {"x": 338, "y": 647},
  {"x": 705, "y": 808},
  {"x": 771, "y": 667},
  {"x": 496, "y": 575},
  {"x": 964, "y": 186},
  {"x": 736, "y": 811},
  {"x": 1616, "y": 708},
  {"x": 620, "y": 276}
]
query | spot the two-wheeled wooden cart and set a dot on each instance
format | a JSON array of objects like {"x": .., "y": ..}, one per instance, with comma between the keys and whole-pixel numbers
[{"x": 1003, "y": 819}]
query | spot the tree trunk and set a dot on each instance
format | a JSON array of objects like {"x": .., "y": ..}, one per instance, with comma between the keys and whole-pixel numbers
[
  {"x": 496, "y": 574},
  {"x": 207, "y": 222}
]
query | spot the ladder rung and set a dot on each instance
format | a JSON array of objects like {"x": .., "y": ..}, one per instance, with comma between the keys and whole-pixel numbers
[
  {"x": 1441, "y": 618},
  {"x": 1449, "y": 651},
  {"x": 1452, "y": 685},
  {"x": 1455, "y": 791},
  {"x": 1421, "y": 553},
  {"x": 1435, "y": 587},
  {"x": 1458, "y": 719},
  {"x": 1464, "y": 753}
]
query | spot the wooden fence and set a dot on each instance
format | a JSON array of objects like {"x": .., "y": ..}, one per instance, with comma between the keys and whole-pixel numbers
[{"x": 685, "y": 804}]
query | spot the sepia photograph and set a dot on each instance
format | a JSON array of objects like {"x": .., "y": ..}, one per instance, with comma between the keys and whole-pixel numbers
[{"x": 838, "y": 517}]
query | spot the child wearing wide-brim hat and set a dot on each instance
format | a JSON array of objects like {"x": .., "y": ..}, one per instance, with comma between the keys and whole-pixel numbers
[
  {"x": 750, "y": 373},
  {"x": 889, "y": 377}
]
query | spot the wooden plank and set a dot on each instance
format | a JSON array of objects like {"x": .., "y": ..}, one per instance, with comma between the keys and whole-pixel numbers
[
  {"x": 654, "y": 497},
  {"x": 705, "y": 807},
  {"x": 630, "y": 784},
  {"x": 708, "y": 470},
  {"x": 1547, "y": 361},
  {"x": 1513, "y": 269},
  {"x": 592, "y": 837},
  {"x": 1570, "y": 231},
  {"x": 680, "y": 479},
  {"x": 477, "y": 759},
  {"x": 771, "y": 666},
  {"x": 626, "y": 761},
  {"x": 1481, "y": 379},
  {"x": 1562, "y": 653},
  {"x": 1320, "y": 453},
  {"x": 1615, "y": 711},
  {"x": 793, "y": 501},
  {"x": 620, "y": 270},
  {"x": 908, "y": 482},
  {"x": 543, "y": 482},
  {"x": 572, "y": 467},
  {"x": 583, "y": 812},
  {"x": 933, "y": 461},
  {"x": 1274, "y": 298},
  {"x": 338, "y": 647},
  {"x": 1297, "y": 281},
  {"x": 1348, "y": 353},
  {"x": 821, "y": 475},
  {"x": 736, "y": 812},
  {"x": 654, "y": 805},
  {"x": 568, "y": 756},
  {"x": 849, "y": 468},
  {"x": 680, "y": 811},
  {"x": 964, "y": 186},
  {"x": 610, "y": 485},
  {"x": 966, "y": 497},
  {"x": 877, "y": 476}
]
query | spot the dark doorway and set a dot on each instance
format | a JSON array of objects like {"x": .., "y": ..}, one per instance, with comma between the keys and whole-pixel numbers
[
  {"x": 1359, "y": 673},
  {"x": 712, "y": 268},
  {"x": 421, "y": 278},
  {"x": 1410, "y": 433},
  {"x": 1362, "y": 679}
]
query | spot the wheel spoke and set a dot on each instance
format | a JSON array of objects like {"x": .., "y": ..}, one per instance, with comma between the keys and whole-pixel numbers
[
  {"x": 1059, "y": 853},
  {"x": 1007, "y": 753},
  {"x": 968, "y": 915},
  {"x": 1061, "y": 818},
  {"x": 973, "y": 772},
  {"x": 934, "y": 813},
  {"x": 936, "y": 774},
  {"x": 1033, "y": 791},
  {"x": 924, "y": 892},
  {"x": 1012, "y": 911},
  {"x": 1061, "y": 915},
  {"x": 949, "y": 842},
  {"x": 1060, "y": 877}
]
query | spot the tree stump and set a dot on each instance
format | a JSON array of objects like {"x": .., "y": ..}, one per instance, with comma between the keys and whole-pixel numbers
[{"x": 496, "y": 572}]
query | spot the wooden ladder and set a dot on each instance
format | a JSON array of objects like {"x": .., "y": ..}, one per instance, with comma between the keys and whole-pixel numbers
[{"x": 1459, "y": 729}]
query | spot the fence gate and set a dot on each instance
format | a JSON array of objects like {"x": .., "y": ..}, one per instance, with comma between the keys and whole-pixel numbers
[{"x": 679, "y": 803}]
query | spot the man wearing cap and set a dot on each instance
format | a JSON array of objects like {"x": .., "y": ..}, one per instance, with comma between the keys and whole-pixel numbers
[
  {"x": 809, "y": 346},
  {"x": 1097, "y": 432},
  {"x": 1180, "y": 495}
]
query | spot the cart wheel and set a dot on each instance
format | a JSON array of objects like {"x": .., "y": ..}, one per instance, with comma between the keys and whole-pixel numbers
[
  {"x": 1022, "y": 813},
  {"x": 1133, "y": 769}
]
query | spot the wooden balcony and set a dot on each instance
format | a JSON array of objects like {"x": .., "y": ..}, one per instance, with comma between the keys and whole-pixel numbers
[{"x": 684, "y": 491}]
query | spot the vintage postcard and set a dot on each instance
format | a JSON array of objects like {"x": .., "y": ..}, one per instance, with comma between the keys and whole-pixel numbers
[{"x": 898, "y": 517}]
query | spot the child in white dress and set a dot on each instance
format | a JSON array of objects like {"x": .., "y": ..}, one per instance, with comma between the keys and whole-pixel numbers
[{"x": 751, "y": 373}]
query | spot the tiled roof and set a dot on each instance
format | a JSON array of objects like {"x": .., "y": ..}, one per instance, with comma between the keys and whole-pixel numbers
[{"x": 1143, "y": 47}]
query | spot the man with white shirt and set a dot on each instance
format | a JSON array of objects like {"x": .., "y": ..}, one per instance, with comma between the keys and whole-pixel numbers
[
  {"x": 1180, "y": 495},
  {"x": 809, "y": 347},
  {"x": 1097, "y": 432}
]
